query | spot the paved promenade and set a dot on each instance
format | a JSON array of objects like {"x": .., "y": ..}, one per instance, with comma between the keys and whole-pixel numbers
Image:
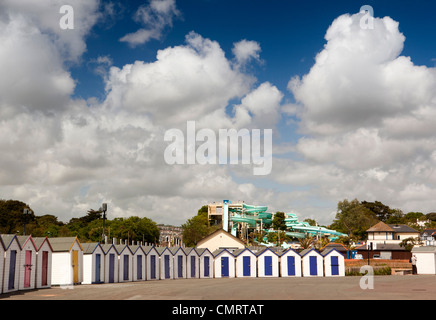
[{"x": 344, "y": 288}]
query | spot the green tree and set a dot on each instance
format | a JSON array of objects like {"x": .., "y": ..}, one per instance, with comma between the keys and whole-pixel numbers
[
  {"x": 382, "y": 211},
  {"x": 278, "y": 223},
  {"x": 354, "y": 218},
  {"x": 195, "y": 229},
  {"x": 12, "y": 217}
]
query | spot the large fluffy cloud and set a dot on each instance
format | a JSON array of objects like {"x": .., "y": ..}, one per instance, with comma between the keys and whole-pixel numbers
[{"x": 368, "y": 110}]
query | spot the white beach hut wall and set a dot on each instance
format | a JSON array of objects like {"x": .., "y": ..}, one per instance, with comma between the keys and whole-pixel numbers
[
  {"x": 110, "y": 263},
  {"x": 179, "y": 262},
  {"x": 206, "y": 263},
  {"x": 246, "y": 263},
  {"x": 152, "y": 269},
  {"x": 43, "y": 262},
  {"x": 67, "y": 261},
  {"x": 224, "y": 264},
  {"x": 334, "y": 263},
  {"x": 312, "y": 263},
  {"x": 125, "y": 263},
  {"x": 93, "y": 263},
  {"x": 138, "y": 263},
  {"x": 290, "y": 264},
  {"x": 267, "y": 263},
  {"x": 192, "y": 263},
  {"x": 166, "y": 263},
  {"x": 11, "y": 263}
]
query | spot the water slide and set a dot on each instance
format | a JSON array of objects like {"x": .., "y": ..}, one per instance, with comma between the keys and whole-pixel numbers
[{"x": 257, "y": 216}]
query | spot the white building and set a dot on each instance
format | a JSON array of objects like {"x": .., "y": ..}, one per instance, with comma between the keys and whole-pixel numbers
[
  {"x": 206, "y": 262},
  {"x": 246, "y": 263},
  {"x": 221, "y": 239},
  {"x": 425, "y": 259},
  {"x": 67, "y": 261},
  {"x": 139, "y": 263},
  {"x": 192, "y": 263},
  {"x": 267, "y": 263},
  {"x": 28, "y": 263},
  {"x": 93, "y": 263},
  {"x": 179, "y": 262},
  {"x": 312, "y": 263},
  {"x": 43, "y": 262},
  {"x": 166, "y": 263},
  {"x": 290, "y": 263},
  {"x": 11, "y": 263},
  {"x": 334, "y": 263},
  {"x": 110, "y": 263},
  {"x": 224, "y": 264},
  {"x": 152, "y": 263},
  {"x": 125, "y": 270}
]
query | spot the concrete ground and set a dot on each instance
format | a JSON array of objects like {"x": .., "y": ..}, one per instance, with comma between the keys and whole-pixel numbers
[{"x": 343, "y": 288}]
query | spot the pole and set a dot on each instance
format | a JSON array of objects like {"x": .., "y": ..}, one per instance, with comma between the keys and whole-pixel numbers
[{"x": 104, "y": 209}]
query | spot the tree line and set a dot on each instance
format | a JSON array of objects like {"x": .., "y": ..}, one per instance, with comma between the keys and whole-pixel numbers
[{"x": 88, "y": 228}]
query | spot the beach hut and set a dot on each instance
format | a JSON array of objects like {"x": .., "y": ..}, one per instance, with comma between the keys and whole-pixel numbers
[
  {"x": 93, "y": 263},
  {"x": 110, "y": 263},
  {"x": 206, "y": 264},
  {"x": 2, "y": 263},
  {"x": 290, "y": 263},
  {"x": 138, "y": 263},
  {"x": 179, "y": 262},
  {"x": 224, "y": 264},
  {"x": 334, "y": 263},
  {"x": 125, "y": 270},
  {"x": 11, "y": 263},
  {"x": 267, "y": 263},
  {"x": 43, "y": 262},
  {"x": 67, "y": 261},
  {"x": 425, "y": 259},
  {"x": 192, "y": 263},
  {"x": 166, "y": 263},
  {"x": 246, "y": 263},
  {"x": 152, "y": 263},
  {"x": 28, "y": 263},
  {"x": 312, "y": 263}
]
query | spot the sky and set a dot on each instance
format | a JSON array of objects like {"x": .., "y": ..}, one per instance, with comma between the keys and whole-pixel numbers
[{"x": 88, "y": 93}]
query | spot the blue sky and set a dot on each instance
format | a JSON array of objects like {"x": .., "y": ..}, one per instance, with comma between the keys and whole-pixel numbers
[
  {"x": 290, "y": 33},
  {"x": 353, "y": 111}
]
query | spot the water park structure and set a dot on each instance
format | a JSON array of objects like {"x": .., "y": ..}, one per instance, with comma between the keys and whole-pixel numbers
[{"x": 240, "y": 219}]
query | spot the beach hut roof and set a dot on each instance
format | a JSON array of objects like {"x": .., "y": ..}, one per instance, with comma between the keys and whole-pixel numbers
[
  {"x": 8, "y": 239},
  {"x": 39, "y": 241},
  {"x": 64, "y": 243}
]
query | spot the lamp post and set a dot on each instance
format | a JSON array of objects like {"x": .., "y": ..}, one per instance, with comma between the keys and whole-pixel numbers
[
  {"x": 104, "y": 209},
  {"x": 26, "y": 213}
]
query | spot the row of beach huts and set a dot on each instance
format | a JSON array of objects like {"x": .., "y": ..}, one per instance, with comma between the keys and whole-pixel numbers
[{"x": 33, "y": 262}]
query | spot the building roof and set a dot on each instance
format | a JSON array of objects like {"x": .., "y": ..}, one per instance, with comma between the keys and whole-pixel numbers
[
  {"x": 380, "y": 227},
  {"x": 430, "y": 249},
  {"x": 8, "y": 239},
  {"x": 64, "y": 243},
  {"x": 338, "y": 246},
  {"x": 201, "y": 251},
  {"x": 328, "y": 251},
  {"x": 402, "y": 228},
  {"x": 89, "y": 248},
  {"x": 306, "y": 251},
  {"x": 237, "y": 252},
  {"x": 22, "y": 240},
  {"x": 397, "y": 228},
  {"x": 39, "y": 241}
]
